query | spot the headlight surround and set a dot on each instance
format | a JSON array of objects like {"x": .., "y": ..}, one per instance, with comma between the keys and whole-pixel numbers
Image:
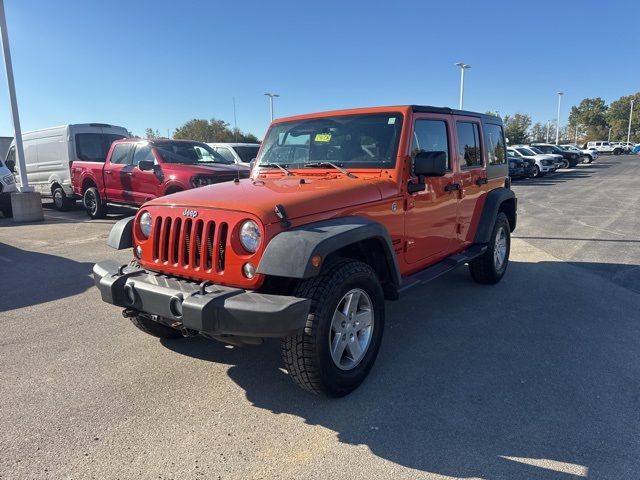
[
  {"x": 146, "y": 221},
  {"x": 201, "y": 181},
  {"x": 250, "y": 236}
]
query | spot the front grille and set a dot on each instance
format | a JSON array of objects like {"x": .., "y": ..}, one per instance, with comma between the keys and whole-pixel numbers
[{"x": 192, "y": 243}]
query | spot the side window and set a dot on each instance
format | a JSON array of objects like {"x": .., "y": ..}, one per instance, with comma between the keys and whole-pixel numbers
[
  {"x": 121, "y": 153},
  {"x": 430, "y": 136},
  {"x": 143, "y": 152},
  {"x": 469, "y": 154},
  {"x": 494, "y": 144},
  {"x": 226, "y": 153},
  {"x": 10, "y": 162}
]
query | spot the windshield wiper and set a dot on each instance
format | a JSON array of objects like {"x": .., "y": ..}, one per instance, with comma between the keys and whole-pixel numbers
[
  {"x": 329, "y": 164},
  {"x": 277, "y": 165}
]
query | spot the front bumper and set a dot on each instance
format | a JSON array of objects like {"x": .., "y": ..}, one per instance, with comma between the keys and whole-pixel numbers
[{"x": 205, "y": 308}]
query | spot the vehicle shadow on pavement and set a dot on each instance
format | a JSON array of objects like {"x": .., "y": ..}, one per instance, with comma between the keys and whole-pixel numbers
[
  {"x": 482, "y": 381},
  {"x": 30, "y": 278}
]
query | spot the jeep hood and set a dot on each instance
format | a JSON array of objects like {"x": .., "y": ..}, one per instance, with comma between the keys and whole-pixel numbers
[{"x": 260, "y": 196}]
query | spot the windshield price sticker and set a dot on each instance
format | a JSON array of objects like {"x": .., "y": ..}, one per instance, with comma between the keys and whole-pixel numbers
[{"x": 322, "y": 137}]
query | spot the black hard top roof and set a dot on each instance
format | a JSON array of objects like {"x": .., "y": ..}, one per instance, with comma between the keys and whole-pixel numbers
[{"x": 452, "y": 111}]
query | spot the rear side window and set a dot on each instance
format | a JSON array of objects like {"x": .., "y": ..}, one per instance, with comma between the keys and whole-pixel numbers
[
  {"x": 430, "y": 136},
  {"x": 494, "y": 144},
  {"x": 93, "y": 147},
  {"x": 226, "y": 153},
  {"x": 121, "y": 153},
  {"x": 469, "y": 154}
]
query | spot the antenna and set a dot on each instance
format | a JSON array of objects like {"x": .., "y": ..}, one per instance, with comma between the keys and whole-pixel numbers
[{"x": 235, "y": 120}]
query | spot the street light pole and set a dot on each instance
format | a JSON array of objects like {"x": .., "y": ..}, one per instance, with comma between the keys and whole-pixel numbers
[
  {"x": 271, "y": 97},
  {"x": 24, "y": 182},
  {"x": 548, "y": 130},
  {"x": 558, "y": 117},
  {"x": 609, "y": 138},
  {"x": 630, "y": 115},
  {"x": 463, "y": 67},
  {"x": 576, "y": 134}
]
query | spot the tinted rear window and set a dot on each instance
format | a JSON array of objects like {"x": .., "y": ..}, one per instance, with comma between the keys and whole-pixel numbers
[
  {"x": 93, "y": 147},
  {"x": 247, "y": 153}
]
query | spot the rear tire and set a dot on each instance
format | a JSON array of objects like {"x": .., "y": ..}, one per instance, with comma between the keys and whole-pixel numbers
[
  {"x": 93, "y": 204},
  {"x": 490, "y": 267},
  {"x": 343, "y": 332},
  {"x": 60, "y": 200},
  {"x": 7, "y": 212},
  {"x": 154, "y": 329}
]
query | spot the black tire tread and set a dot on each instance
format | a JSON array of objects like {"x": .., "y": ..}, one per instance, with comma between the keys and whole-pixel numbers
[
  {"x": 299, "y": 351},
  {"x": 482, "y": 269}
]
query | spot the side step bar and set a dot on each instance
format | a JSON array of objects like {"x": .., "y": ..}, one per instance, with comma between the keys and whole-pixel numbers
[{"x": 442, "y": 267}]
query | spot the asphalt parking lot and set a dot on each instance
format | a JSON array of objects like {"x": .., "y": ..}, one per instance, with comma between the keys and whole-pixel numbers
[{"x": 535, "y": 378}]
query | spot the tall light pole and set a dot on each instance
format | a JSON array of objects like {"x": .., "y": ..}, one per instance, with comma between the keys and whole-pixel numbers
[
  {"x": 630, "y": 115},
  {"x": 548, "y": 127},
  {"x": 576, "y": 134},
  {"x": 609, "y": 138},
  {"x": 558, "y": 117},
  {"x": 463, "y": 67},
  {"x": 24, "y": 182},
  {"x": 26, "y": 205},
  {"x": 271, "y": 97}
]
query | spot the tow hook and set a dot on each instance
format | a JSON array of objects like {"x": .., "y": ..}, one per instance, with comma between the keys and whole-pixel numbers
[{"x": 130, "y": 313}]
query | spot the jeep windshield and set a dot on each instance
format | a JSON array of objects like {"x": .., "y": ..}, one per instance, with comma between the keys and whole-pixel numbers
[
  {"x": 190, "y": 153},
  {"x": 350, "y": 141}
]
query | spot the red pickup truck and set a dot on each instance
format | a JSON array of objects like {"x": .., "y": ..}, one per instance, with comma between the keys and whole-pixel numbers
[{"x": 136, "y": 171}]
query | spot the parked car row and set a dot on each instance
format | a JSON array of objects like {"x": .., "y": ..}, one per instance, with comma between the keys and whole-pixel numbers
[
  {"x": 100, "y": 165},
  {"x": 539, "y": 159},
  {"x": 611, "y": 148}
]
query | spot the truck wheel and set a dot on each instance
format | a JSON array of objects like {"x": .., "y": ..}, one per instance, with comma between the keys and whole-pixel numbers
[
  {"x": 616, "y": 151},
  {"x": 155, "y": 329},
  {"x": 537, "y": 173},
  {"x": 61, "y": 201},
  {"x": 565, "y": 163},
  {"x": 343, "y": 332},
  {"x": 489, "y": 268},
  {"x": 93, "y": 203}
]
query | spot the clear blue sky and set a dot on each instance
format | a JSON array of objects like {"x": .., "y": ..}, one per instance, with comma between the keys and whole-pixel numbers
[{"x": 159, "y": 63}]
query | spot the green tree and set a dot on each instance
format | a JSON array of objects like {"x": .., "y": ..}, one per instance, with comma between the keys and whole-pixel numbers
[
  {"x": 212, "y": 131},
  {"x": 618, "y": 118},
  {"x": 590, "y": 116},
  {"x": 516, "y": 128},
  {"x": 538, "y": 132},
  {"x": 151, "y": 133}
]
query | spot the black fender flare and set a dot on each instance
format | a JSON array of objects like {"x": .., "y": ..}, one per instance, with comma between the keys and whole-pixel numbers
[
  {"x": 289, "y": 253},
  {"x": 121, "y": 234},
  {"x": 495, "y": 198}
]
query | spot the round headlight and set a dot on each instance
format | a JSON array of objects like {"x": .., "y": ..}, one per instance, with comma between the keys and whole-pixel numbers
[
  {"x": 145, "y": 224},
  {"x": 250, "y": 236}
]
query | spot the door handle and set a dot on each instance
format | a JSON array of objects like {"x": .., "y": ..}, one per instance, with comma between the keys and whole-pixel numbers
[
  {"x": 482, "y": 181},
  {"x": 108, "y": 172},
  {"x": 451, "y": 187}
]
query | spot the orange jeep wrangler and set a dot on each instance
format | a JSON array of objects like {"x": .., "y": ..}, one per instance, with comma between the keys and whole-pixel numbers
[{"x": 343, "y": 210}]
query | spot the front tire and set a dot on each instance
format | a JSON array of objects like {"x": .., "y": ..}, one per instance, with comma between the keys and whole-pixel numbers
[
  {"x": 490, "y": 267},
  {"x": 93, "y": 204},
  {"x": 343, "y": 332}
]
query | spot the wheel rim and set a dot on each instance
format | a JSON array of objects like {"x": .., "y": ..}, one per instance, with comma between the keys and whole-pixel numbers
[
  {"x": 351, "y": 329},
  {"x": 90, "y": 202},
  {"x": 57, "y": 198},
  {"x": 500, "y": 249}
]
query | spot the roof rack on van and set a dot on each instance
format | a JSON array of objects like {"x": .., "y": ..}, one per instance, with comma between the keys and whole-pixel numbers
[{"x": 101, "y": 125}]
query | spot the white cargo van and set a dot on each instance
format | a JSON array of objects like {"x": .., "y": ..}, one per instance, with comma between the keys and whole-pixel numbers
[{"x": 49, "y": 153}]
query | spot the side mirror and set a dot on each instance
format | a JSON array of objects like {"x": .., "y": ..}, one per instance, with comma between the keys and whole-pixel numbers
[
  {"x": 146, "y": 165},
  {"x": 430, "y": 164},
  {"x": 252, "y": 163},
  {"x": 427, "y": 164}
]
